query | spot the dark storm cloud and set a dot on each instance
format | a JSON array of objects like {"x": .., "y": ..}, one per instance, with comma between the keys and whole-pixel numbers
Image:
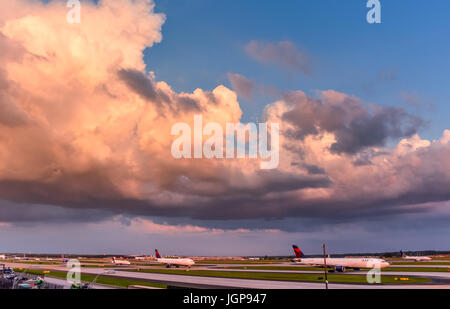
[
  {"x": 314, "y": 169},
  {"x": 419, "y": 218},
  {"x": 93, "y": 191},
  {"x": 354, "y": 126},
  {"x": 375, "y": 129},
  {"x": 141, "y": 84},
  {"x": 147, "y": 89},
  {"x": 239, "y": 205},
  {"x": 92, "y": 185},
  {"x": 23, "y": 214},
  {"x": 265, "y": 182}
]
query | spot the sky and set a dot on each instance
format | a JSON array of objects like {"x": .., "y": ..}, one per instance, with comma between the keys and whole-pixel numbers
[{"x": 86, "y": 112}]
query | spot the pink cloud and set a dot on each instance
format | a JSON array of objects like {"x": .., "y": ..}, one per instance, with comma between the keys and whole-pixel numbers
[{"x": 146, "y": 226}]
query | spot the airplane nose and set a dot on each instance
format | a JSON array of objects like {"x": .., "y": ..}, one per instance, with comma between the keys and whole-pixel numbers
[{"x": 385, "y": 264}]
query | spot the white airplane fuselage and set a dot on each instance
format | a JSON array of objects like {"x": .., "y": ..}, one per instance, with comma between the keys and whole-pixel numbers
[
  {"x": 344, "y": 262},
  {"x": 417, "y": 258},
  {"x": 176, "y": 262},
  {"x": 121, "y": 262}
]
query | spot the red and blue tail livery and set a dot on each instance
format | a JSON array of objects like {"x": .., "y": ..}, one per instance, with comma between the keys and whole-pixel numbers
[
  {"x": 298, "y": 253},
  {"x": 157, "y": 254}
]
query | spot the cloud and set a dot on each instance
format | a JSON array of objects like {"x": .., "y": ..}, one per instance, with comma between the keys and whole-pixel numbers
[
  {"x": 384, "y": 77},
  {"x": 148, "y": 226},
  {"x": 29, "y": 214},
  {"x": 4, "y": 224},
  {"x": 247, "y": 88},
  {"x": 415, "y": 100},
  {"x": 88, "y": 131},
  {"x": 355, "y": 127},
  {"x": 283, "y": 54},
  {"x": 242, "y": 85},
  {"x": 157, "y": 94}
]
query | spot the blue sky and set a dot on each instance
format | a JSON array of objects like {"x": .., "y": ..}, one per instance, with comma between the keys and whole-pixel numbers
[{"x": 204, "y": 40}]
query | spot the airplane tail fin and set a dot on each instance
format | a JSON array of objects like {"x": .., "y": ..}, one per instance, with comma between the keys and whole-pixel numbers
[
  {"x": 158, "y": 256},
  {"x": 298, "y": 253},
  {"x": 402, "y": 253}
]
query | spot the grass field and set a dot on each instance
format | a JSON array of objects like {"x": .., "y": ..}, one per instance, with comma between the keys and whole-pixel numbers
[
  {"x": 399, "y": 259},
  {"x": 358, "y": 279},
  {"x": 289, "y": 268},
  {"x": 95, "y": 261},
  {"x": 241, "y": 261},
  {"x": 416, "y": 269},
  {"x": 147, "y": 264},
  {"x": 421, "y": 263},
  {"x": 124, "y": 283},
  {"x": 389, "y": 269},
  {"x": 100, "y": 266}
]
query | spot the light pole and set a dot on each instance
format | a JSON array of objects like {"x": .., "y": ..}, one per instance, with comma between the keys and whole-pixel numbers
[
  {"x": 110, "y": 271},
  {"x": 325, "y": 265}
]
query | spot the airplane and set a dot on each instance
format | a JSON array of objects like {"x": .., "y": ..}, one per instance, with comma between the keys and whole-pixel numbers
[
  {"x": 63, "y": 259},
  {"x": 175, "y": 262},
  {"x": 120, "y": 262},
  {"x": 339, "y": 264},
  {"x": 415, "y": 258}
]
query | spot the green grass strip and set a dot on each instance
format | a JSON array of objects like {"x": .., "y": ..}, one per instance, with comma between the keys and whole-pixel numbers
[
  {"x": 389, "y": 269},
  {"x": 357, "y": 279},
  {"x": 422, "y": 263}
]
